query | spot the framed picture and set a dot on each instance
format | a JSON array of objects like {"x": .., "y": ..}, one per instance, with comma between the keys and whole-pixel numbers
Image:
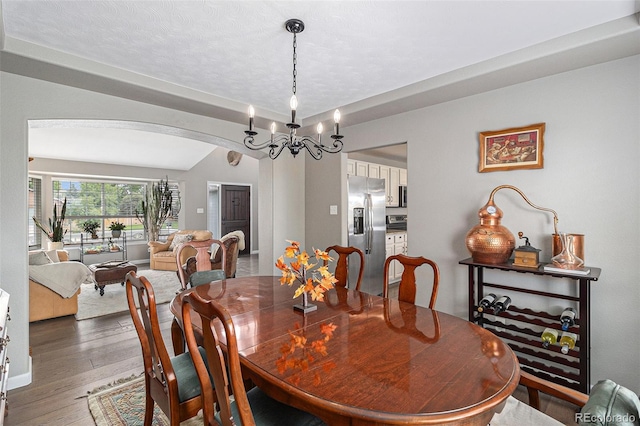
[{"x": 510, "y": 149}]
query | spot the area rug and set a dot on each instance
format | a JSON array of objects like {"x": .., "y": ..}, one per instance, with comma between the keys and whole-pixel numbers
[
  {"x": 91, "y": 304},
  {"x": 122, "y": 404}
]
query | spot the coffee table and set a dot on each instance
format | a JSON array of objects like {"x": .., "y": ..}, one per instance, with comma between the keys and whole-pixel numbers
[{"x": 110, "y": 273}]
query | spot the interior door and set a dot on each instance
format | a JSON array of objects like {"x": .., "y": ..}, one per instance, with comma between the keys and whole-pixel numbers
[{"x": 236, "y": 212}]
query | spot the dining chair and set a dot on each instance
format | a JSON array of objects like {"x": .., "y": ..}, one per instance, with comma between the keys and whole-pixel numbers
[
  {"x": 202, "y": 258},
  {"x": 407, "y": 288},
  {"x": 247, "y": 408},
  {"x": 170, "y": 382},
  {"x": 341, "y": 272}
]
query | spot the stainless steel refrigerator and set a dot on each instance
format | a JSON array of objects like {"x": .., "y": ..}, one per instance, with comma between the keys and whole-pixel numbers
[{"x": 367, "y": 228}]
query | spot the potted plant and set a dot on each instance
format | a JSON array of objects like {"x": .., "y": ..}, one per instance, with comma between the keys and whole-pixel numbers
[
  {"x": 116, "y": 228},
  {"x": 156, "y": 209},
  {"x": 90, "y": 226},
  {"x": 55, "y": 231}
]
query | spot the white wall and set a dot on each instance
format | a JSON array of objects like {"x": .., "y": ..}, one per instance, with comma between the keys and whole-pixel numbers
[
  {"x": 24, "y": 99},
  {"x": 590, "y": 177}
]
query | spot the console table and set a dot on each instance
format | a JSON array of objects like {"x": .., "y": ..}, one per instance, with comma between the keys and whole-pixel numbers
[{"x": 525, "y": 341}]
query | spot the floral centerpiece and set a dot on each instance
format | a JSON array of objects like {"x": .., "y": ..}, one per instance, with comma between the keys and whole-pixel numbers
[{"x": 311, "y": 282}]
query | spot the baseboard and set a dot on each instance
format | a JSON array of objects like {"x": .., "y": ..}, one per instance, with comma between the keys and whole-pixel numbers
[{"x": 23, "y": 379}]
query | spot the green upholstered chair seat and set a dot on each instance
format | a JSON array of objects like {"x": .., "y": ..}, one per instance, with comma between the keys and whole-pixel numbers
[
  {"x": 204, "y": 277},
  {"x": 267, "y": 411},
  {"x": 188, "y": 383},
  {"x": 610, "y": 404}
]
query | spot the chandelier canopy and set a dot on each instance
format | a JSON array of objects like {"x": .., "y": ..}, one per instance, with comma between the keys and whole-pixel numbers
[{"x": 292, "y": 141}]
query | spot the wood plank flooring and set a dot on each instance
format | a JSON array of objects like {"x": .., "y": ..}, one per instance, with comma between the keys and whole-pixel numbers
[{"x": 71, "y": 358}]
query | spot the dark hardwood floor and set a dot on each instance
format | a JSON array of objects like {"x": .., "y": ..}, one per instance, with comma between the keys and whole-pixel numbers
[{"x": 71, "y": 358}]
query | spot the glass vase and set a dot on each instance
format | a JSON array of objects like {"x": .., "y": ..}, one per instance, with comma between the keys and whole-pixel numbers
[{"x": 567, "y": 259}]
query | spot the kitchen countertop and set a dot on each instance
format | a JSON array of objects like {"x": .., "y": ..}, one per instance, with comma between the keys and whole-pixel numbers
[{"x": 396, "y": 231}]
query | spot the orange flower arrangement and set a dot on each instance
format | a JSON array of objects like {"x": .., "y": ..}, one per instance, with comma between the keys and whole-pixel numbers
[{"x": 320, "y": 279}]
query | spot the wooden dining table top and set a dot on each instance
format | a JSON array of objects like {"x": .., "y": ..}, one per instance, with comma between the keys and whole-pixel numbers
[{"x": 385, "y": 362}]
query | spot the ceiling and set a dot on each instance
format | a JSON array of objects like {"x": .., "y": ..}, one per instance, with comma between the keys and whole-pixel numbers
[{"x": 353, "y": 55}]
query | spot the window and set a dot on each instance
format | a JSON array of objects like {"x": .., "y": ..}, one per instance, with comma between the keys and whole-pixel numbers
[
  {"x": 105, "y": 202},
  {"x": 34, "y": 196}
]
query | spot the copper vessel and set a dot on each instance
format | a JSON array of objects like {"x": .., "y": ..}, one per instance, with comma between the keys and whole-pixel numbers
[
  {"x": 578, "y": 245},
  {"x": 491, "y": 243}
]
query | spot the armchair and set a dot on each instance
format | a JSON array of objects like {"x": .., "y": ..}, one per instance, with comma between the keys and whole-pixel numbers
[
  {"x": 233, "y": 242},
  {"x": 162, "y": 255},
  {"x": 608, "y": 404}
]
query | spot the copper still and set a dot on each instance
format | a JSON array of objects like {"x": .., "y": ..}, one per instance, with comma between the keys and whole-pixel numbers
[{"x": 491, "y": 243}]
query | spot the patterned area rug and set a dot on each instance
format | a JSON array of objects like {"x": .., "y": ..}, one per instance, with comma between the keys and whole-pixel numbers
[
  {"x": 91, "y": 304},
  {"x": 122, "y": 404}
]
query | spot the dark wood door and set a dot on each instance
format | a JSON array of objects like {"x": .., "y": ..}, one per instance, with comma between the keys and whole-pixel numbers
[{"x": 236, "y": 212}]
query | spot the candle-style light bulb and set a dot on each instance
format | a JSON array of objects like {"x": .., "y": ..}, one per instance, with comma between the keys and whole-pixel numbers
[
  {"x": 319, "y": 128},
  {"x": 273, "y": 130},
  {"x": 294, "y": 105},
  {"x": 252, "y": 113},
  {"x": 336, "y": 118}
]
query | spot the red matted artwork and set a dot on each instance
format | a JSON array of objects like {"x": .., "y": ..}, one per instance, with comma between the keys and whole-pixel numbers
[{"x": 509, "y": 149}]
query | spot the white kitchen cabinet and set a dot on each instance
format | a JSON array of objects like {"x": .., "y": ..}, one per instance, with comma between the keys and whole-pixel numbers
[
  {"x": 390, "y": 249},
  {"x": 391, "y": 176},
  {"x": 362, "y": 168},
  {"x": 351, "y": 167},
  {"x": 396, "y": 244},
  {"x": 374, "y": 170}
]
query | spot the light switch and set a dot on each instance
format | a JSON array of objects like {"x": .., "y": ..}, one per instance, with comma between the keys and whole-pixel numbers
[
  {"x": 199, "y": 210},
  {"x": 333, "y": 209}
]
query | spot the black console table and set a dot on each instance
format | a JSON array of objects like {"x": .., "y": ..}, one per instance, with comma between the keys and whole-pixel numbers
[{"x": 573, "y": 369}]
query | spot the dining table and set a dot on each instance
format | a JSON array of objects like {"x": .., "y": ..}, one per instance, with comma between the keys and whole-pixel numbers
[{"x": 361, "y": 359}]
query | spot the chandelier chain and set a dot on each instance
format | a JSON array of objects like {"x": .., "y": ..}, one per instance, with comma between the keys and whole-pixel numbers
[
  {"x": 293, "y": 142},
  {"x": 295, "y": 62}
]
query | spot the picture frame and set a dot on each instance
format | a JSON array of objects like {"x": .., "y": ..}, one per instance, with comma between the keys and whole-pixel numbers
[{"x": 511, "y": 149}]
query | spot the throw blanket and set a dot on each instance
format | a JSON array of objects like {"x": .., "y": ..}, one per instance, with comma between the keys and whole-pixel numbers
[{"x": 64, "y": 278}]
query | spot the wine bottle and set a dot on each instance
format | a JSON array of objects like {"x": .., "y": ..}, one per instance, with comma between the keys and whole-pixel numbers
[
  {"x": 567, "y": 341},
  {"x": 549, "y": 337},
  {"x": 487, "y": 302},
  {"x": 502, "y": 304},
  {"x": 568, "y": 318}
]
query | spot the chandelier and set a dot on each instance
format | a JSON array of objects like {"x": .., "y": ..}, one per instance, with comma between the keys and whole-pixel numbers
[{"x": 295, "y": 143}]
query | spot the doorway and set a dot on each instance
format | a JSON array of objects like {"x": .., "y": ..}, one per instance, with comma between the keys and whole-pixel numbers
[{"x": 229, "y": 209}]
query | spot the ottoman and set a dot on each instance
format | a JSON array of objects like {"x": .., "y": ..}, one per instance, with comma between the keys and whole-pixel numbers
[{"x": 110, "y": 273}]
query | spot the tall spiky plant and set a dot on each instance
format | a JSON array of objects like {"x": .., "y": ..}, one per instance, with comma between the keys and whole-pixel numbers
[
  {"x": 55, "y": 232},
  {"x": 156, "y": 208}
]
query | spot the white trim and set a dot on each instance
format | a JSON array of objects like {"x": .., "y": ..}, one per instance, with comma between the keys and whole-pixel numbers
[{"x": 23, "y": 379}]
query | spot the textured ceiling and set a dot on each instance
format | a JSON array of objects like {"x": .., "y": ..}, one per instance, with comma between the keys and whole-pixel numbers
[{"x": 349, "y": 52}]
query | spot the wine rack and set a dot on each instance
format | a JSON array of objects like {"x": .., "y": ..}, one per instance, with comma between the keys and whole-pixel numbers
[{"x": 514, "y": 325}]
